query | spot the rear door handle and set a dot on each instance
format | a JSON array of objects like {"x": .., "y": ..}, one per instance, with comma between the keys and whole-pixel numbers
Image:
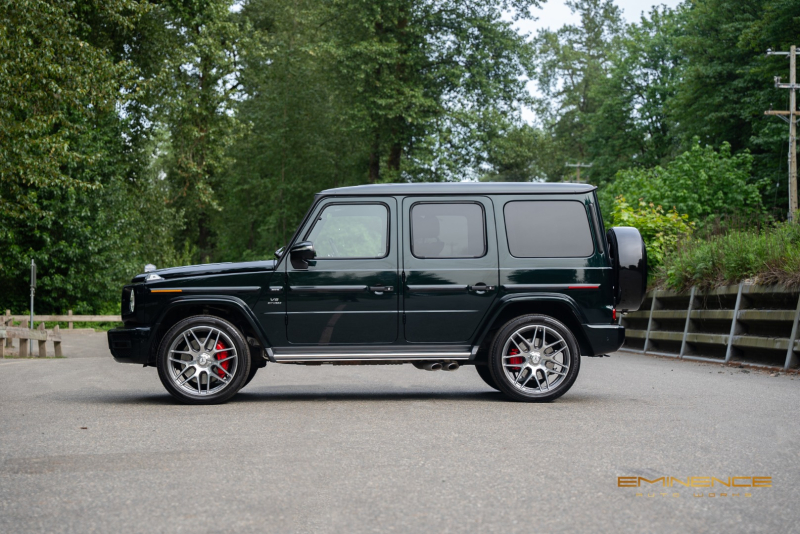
[
  {"x": 380, "y": 290},
  {"x": 481, "y": 288}
]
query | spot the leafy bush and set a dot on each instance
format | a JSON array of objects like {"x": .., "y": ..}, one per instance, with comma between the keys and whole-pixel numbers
[
  {"x": 769, "y": 255},
  {"x": 660, "y": 230},
  {"x": 700, "y": 183}
]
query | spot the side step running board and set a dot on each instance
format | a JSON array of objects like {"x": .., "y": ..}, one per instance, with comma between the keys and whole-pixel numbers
[{"x": 369, "y": 356}]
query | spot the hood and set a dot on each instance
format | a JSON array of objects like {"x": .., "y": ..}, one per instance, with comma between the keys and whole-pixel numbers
[{"x": 207, "y": 269}]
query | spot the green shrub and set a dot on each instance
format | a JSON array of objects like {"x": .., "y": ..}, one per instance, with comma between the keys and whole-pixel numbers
[
  {"x": 660, "y": 230},
  {"x": 701, "y": 183}
]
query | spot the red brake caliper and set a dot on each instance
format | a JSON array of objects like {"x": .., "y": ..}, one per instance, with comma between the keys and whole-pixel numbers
[
  {"x": 222, "y": 356},
  {"x": 518, "y": 359}
]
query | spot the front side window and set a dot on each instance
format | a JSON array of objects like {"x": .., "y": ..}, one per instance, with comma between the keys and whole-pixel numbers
[
  {"x": 548, "y": 229},
  {"x": 345, "y": 231},
  {"x": 453, "y": 230}
]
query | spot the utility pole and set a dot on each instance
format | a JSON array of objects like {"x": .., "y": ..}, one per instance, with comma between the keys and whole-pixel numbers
[
  {"x": 578, "y": 167},
  {"x": 790, "y": 117}
]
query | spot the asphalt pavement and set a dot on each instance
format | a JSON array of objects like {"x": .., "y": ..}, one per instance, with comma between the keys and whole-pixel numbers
[{"x": 89, "y": 445}]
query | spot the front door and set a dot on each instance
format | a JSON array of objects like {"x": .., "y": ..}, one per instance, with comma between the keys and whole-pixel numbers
[
  {"x": 450, "y": 267},
  {"x": 350, "y": 293}
]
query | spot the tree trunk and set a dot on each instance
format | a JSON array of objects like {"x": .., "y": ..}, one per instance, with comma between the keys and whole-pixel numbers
[
  {"x": 375, "y": 161},
  {"x": 394, "y": 157}
]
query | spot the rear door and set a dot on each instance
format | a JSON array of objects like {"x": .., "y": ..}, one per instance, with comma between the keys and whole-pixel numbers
[
  {"x": 350, "y": 295},
  {"x": 450, "y": 267}
]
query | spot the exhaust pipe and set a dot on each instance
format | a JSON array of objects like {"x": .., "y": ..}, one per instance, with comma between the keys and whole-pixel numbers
[
  {"x": 450, "y": 366},
  {"x": 428, "y": 366}
]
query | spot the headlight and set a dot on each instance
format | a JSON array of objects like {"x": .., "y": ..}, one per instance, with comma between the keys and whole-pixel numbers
[{"x": 131, "y": 301}]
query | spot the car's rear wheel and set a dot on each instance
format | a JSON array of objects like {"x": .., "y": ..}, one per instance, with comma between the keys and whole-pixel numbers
[
  {"x": 534, "y": 358},
  {"x": 486, "y": 376},
  {"x": 203, "y": 360}
]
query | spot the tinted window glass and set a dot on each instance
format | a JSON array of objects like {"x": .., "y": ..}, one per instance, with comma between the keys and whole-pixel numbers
[
  {"x": 351, "y": 231},
  {"x": 447, "y": 231},
  {"x": 548, "y": 229}
]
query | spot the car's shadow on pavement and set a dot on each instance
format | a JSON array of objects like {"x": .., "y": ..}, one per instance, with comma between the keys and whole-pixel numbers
[{"x": 267, "y": 397}]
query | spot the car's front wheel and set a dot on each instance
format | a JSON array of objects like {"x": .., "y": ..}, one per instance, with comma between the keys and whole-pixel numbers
[
  {"x": 203, "y": 360},
  {"x": 534, "y": 358}
]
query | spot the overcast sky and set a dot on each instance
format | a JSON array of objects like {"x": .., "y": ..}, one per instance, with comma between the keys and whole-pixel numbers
[{"x": 555, "y": 14}]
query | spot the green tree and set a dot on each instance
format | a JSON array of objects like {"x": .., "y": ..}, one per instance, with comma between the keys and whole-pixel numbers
[
  {"x": 77, "y": 193},
  {"x": 727, "y": 81},
  {"x": 430, "y": 79},
  {"x": 630, "y": 128},
  {"x": 194, "y": 50},
  {"x": 571, "y": 63},
  {"x": 54, "y": 84}
]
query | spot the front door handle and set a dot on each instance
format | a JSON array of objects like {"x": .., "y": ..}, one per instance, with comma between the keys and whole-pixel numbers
[{"x": 380, "y": 290}]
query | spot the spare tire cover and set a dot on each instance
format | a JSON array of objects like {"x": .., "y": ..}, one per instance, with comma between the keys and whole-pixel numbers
[{"x": 629, "y": 259}]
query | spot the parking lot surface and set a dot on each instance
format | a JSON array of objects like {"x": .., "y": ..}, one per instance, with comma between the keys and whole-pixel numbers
[{"x": 89, "y": 445}]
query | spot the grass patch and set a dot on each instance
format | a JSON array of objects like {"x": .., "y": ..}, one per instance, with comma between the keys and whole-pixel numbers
[{"x": 767, "y": 255}]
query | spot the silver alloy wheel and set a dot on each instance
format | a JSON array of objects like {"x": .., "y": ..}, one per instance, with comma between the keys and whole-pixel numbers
[
  {"x": 536, "y": 359},
  {"x": 201, "y": 368}
]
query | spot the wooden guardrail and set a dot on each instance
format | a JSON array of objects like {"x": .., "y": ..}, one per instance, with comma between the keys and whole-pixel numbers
[
  {"x": 40, "y": 335},
  {"x": 69, "y": 318},
  {"x": 756, "y": 325}
]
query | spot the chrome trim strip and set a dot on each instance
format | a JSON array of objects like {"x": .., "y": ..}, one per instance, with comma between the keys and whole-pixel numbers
[
  {"x": 327, "y": 289},
  {"x": 335, "y": 312},
  {"x": 366, "y": 356},
  {"x": 437, "y": 288},
  {"x": 442, "y": 311}
]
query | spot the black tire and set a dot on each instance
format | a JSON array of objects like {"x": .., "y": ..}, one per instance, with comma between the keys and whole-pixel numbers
[
  {"x": 566, "y": 369},
  {"x": 200, "y": 358},
  {"x": 486, "y": 376}
]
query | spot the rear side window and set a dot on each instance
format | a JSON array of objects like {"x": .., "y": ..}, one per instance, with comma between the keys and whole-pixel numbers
[
  {"x": 452, "y": 230},
  {"x": 548, "y": 229}
]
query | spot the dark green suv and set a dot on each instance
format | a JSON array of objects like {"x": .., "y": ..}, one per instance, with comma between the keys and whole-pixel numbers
[{"x": 518, "y": 280}]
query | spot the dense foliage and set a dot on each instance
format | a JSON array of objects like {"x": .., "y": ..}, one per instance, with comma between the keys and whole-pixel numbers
[
  {"x": 170, "y": 131},
  {"x": 699, "y": 183}
]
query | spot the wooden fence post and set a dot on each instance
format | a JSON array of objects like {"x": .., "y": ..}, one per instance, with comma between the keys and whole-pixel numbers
[{"x": 69, "y": 312}]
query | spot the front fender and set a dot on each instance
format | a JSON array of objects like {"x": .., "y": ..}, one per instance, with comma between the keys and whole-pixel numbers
[{"x": 218, "y": 300}]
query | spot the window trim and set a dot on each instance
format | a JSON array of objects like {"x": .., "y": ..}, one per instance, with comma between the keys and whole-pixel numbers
[
  {"x": 588, "y": 224},
  {"x": 367, "y": 203},
  {"x": 411, "y": 230}
]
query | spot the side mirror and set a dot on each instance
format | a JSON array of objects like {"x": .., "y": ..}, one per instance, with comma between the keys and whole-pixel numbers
[
  {"x": 279, "y": 252},
  {"x": 302, "y": 254}
]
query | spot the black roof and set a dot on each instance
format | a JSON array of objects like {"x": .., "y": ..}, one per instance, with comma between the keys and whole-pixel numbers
[{"x": 462, "y": 188}]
